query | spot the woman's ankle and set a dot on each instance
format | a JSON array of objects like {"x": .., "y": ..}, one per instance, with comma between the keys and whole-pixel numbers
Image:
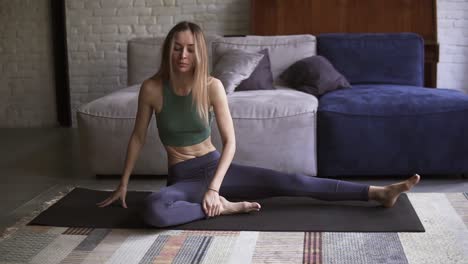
[{"x": 376, "y": 193}]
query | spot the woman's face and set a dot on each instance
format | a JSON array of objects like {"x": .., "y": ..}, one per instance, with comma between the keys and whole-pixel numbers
[{"x": 183, "y": 54}]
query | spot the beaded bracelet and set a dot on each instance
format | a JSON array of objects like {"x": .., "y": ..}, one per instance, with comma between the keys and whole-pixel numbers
[{"x": 213, "y": 190}]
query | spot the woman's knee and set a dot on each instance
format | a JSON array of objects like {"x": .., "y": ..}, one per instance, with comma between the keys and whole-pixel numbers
[{"x": 155, "y": 211}]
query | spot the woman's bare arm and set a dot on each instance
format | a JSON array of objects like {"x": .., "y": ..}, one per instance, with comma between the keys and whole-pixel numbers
[
  {"x": 137, "y": 139},
  {"x": 219, "y": 102}
]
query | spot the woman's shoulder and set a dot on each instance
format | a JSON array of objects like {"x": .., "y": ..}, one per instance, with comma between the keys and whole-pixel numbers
[
  {"x": 213, "y": 81},
  {"x": 151, "y": 92},
  {"x": 216, "y": 90},
  {"x": 152, "y": 86},
  {"x": 214, "y": 85}
]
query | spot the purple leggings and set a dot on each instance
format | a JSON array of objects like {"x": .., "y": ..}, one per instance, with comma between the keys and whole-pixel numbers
[{"x": 180, "y": 202}]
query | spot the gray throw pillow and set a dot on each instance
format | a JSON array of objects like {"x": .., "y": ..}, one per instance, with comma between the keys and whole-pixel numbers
[
  {"x": 234, "y": 66},
  {"x": 314, "y": 75},
  {"x": 261, "y": 78}
]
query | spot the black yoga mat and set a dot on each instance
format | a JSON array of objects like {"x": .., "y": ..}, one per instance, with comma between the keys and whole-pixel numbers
[{"x": 78, "y": 209}]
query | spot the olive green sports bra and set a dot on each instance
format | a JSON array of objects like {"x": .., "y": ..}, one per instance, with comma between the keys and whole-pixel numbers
[{"x": 178, "y": 122}]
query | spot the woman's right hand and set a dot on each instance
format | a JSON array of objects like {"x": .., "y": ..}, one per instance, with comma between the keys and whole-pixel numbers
[{"x": 119, "y": 193}]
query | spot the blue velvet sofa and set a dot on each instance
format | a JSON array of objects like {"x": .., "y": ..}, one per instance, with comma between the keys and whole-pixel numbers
[{"x": 387, "y": 123}]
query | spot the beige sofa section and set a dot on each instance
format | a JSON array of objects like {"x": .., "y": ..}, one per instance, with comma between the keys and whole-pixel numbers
[{"x": 274, "y": 129}]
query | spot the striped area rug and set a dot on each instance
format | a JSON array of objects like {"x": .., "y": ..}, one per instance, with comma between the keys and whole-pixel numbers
[{"x": 444, "y": 216}]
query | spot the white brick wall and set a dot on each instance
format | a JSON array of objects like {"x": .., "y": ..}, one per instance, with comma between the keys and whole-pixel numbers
[
  {"x": 452, "y": 18},
  {"x": 27, "y": 90},
  {"x": 98, "y": 32}
]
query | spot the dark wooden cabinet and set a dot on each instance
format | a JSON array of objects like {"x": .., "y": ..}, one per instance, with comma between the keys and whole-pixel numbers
[{"x": 285, "y": 17}]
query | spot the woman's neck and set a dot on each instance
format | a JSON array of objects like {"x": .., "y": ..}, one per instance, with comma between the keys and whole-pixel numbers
[{"x": 182, "y": 83}]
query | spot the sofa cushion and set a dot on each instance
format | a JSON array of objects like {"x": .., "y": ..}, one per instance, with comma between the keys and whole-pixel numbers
[
  {"x": 246, "y": 104},
  {"x": 393, "y": 100},
  {"x": 119, "y": 104},
  {"x": 275, "y": 129},
  {"x": 283, "y": 50},
  {"x": 234, "y": 66},
  {"x": 271, "y": 104},
  {"x": 393, "y": 58},
  {"x": 391, "y": 130},
  {"x": 285, "y": 117},
  {"x": 105, "y": 126},
  {"x": 144, "y": 57},
  {"x": 261, "y": 78},
  {"x": 314, "y": 75}
]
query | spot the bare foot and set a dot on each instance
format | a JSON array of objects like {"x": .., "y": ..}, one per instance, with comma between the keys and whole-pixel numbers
[
  {"x": 240, "y": 207},
  {"x": 389, "y": 194}
]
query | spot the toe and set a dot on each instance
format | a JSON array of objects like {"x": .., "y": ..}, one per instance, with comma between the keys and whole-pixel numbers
[
  {"x": 254, "y": 206},
  {"x": 415, "y": 179}
]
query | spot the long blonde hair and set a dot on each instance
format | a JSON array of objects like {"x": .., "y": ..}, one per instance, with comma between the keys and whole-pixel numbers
[{"x": 200, "y": 74}]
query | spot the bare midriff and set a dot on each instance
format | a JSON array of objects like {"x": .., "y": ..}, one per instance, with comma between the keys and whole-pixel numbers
[{"x": 179, "y": 154}]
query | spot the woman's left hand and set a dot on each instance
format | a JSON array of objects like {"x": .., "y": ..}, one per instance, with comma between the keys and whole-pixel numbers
[{"x": 211, "y": 203}]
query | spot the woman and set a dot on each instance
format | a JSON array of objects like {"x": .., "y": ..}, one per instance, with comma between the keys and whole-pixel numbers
[{"x": 184, "y": 97}]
